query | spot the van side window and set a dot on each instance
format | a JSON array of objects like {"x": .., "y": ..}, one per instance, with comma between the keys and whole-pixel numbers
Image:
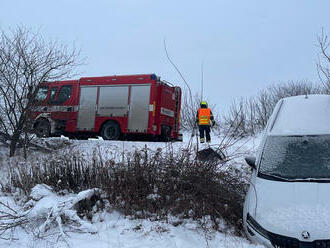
[
  {"x": 42, "y": 93},
  {"x": 63, "y": 95}
]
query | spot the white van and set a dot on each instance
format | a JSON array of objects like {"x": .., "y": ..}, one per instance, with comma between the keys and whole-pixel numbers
[{"x": 288, "y": 202}]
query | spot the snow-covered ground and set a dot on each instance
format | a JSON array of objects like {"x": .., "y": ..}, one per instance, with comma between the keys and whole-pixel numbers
[{"x": 113, "y": 229}]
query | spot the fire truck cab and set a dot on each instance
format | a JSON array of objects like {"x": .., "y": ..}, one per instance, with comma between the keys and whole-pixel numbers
[{"x": 111, "y": 107}]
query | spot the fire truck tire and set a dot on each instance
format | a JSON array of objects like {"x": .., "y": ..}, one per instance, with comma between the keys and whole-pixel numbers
[
  {"x": 110, "y": 131},
  {"x": 165, "y": 133},
  {"x": 42, "y": 128}
]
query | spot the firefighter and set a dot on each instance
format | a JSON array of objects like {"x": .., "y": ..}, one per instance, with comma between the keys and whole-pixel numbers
[{"x": 204, "y": 120}]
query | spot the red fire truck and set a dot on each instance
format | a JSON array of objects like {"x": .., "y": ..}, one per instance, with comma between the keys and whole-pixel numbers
[{"x": 111, "y": 107}]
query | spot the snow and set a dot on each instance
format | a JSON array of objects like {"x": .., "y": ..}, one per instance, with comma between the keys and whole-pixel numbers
[
  {"x": 117, "y": 231},
  {"x": 153, "y": 197},
  {"x": 111, "y": 228},
  {"x": 292, "y": 221},
  {"x": 119, "y": 150},
  {"x": 289, "y": 208},
  {"x": 86, "y": 194},
  {"x": 43, "y": 206},
  {"x": 39, "y": 191},
  {"x": 300, "y": 115}
]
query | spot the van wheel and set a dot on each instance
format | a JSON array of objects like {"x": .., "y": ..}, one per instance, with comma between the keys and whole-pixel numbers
[
  {"x": 42, "y": 129},
  {"x": 110, "y": 131}
]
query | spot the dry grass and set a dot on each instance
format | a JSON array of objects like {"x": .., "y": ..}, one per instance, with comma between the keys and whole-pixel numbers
[{"x": 152, "y": 184}]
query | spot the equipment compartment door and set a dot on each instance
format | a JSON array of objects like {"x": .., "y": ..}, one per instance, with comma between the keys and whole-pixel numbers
[
  {"x": 139, "y": 108},
  {"x": 113, "y": 101},
  {"x": 87, "y": 108}
]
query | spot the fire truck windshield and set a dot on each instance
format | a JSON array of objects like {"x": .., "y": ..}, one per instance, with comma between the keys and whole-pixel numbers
[
  {"x": 63, "y": 95},
  {"x": 52, "y": 93},
  {"x": 42, "y": 93}
]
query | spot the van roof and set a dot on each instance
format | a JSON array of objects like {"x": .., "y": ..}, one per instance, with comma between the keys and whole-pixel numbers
[{"x": 301, "y": 115}]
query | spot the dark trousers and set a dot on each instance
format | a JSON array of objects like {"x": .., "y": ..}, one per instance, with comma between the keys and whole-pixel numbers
[{"x": 206, "y": 129}]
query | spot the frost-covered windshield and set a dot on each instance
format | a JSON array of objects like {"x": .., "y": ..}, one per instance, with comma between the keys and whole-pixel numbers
[
  {"x": 42, "y": 93},
  {"x": 296, "y": 157}
]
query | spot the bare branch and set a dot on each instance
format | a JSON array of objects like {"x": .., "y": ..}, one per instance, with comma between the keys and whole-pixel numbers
[
  {"x": 323, "y": 64},
  {"x": 26, "y": 60}
]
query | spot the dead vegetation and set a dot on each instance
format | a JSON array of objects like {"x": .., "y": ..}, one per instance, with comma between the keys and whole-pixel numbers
[
  {"x": 248, "y": 116},
  {"x": 149, "y": 184}
]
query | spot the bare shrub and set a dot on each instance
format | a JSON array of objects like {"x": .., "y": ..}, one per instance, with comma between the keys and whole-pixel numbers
[
  {"x": 152, "y": 184},
  {"x": 187, "y": 116},
  {"x": 323, "y": 64},
  {"x": 249, "y": 116}
]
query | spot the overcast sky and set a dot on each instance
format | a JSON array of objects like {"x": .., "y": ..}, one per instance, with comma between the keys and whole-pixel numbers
[{"x": 243, "y": 45}]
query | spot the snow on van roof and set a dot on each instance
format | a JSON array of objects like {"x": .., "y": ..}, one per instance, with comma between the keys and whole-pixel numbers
[{"x": 303, "y": 115}]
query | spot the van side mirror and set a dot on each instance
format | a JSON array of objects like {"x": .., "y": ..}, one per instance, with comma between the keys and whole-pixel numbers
[{"x": 251, "y": 161}]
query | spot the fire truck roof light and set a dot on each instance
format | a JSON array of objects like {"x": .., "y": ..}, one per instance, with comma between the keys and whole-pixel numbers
[{"x": 153, "y": 77}]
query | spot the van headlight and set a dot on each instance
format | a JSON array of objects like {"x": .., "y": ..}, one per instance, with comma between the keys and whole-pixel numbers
[{"x": 252, "y": 223}]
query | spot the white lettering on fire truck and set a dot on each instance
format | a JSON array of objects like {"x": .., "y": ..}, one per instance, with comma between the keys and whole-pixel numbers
[{"x": 167, "y": 112}]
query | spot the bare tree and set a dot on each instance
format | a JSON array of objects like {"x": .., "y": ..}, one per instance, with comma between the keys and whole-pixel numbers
[
  {"x": 323, "y": 65},
  {"x": 26, "y": 60},
  {"x": 241, "y": 118}
]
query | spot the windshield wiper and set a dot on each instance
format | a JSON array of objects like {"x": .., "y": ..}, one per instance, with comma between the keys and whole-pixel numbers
[
  {"x": 277, "y": 177},
  {"x": 273, "y": 177},
  {"x": 313, "y": 180}
]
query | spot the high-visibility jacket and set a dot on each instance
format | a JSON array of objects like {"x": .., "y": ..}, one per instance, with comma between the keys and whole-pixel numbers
[{"x": 204, "y": 116}]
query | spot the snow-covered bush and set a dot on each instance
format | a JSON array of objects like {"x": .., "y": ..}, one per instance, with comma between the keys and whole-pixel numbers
[
  {"x": 149, "y": 184},
  {"x": 44, "y": 212}
]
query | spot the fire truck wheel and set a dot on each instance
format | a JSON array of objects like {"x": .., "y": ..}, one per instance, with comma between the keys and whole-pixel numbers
[
  {"x": 166, "y": 133},
  {"x": 42, "y": 129},
  {"x": 110, "y": 131}
]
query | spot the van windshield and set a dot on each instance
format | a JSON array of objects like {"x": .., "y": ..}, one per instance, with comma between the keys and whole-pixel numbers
[{"x": 296, "y": 157}]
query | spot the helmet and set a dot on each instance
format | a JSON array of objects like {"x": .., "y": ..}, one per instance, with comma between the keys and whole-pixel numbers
[{"x": 203, "y": 104}]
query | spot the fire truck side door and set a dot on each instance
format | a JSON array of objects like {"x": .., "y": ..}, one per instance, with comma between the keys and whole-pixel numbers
[
  {"x": 87, "y": 108},
  {"x": 139, "y": 108}
]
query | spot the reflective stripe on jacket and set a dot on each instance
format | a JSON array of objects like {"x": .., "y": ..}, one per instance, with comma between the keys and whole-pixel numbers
[{"x": 204, "y": 115}]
